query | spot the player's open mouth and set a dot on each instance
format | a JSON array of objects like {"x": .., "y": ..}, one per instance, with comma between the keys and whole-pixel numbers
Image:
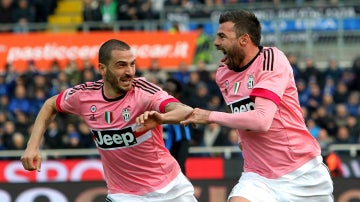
[
  {"x": 126, "y": 81},
  {"x": 224, "y": 59}
]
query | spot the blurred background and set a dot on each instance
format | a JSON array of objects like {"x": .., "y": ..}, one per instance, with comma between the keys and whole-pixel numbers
[{"x": 49, "y": 45}]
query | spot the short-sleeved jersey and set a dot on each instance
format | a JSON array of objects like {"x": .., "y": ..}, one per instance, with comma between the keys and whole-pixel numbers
[
  {"x": 287, "y": 144},
  {"x": 133, "y": 164}
]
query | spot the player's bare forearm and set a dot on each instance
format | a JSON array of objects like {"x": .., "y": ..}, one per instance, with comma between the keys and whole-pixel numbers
[
  {"x": 31, "y": 158},
  {"x": 43, "y": 119},
  {"x": 176, "y": 112}
]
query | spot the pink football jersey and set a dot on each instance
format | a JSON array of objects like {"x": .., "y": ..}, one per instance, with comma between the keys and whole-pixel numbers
[
  {"x": 287, "y": 145},
  {"x": 132, "y": 163}
]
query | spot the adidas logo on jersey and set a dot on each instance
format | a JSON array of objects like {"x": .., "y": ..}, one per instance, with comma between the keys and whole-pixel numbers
[
  {"x": 242, "y": 106},
  {"x": 109, "y": 139}
]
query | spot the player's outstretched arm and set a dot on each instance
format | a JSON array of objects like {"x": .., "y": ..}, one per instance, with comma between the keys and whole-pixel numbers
[
  {"x": 174, "y": 113},
  {"x": 198, "y": 116},
  {"x": 31, "y": 158}
]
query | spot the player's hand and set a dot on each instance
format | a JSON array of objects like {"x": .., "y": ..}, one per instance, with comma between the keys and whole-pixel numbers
[
  {"x": 31, "y": 159},
  {"x": 197, "y": 116},
  {"x": 148, "y": 120}
]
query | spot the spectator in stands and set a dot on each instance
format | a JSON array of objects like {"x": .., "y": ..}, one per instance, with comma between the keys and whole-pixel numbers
[
  {"x": 201, "y": 96},
  {"x": 315, "y": 97},
  {"x": 177, "y": 138},
  {"x": 201, "y": 69},
  {"x": 9, "y": 130},
  {"x": 59, "y": 84},
  {"x": 108, "y": 10},
  {"x": 19, "y": 103},
  {"x": 54, "y": 136},
  {"x": 155, "y": 70},
  {"x": 214, "y": 103},
  {"x": 37, "y": 82},
  {"x": 4, "y": 88},
  {"x": 341, "y": 93},
  {"x": 356, "y": 71},
  {"x": 212, "y": 86},
  {"x": 23, "y": 15},
  {"x": 343, "y": 137},
  {"x": 55, "y": 69},
  {"x": 145, "y": 12},
  {"x": 352, "y": 104},
  {"x": 354, "y": 128},
  {"x": 91, "y": 11},
  {"x": 18, "y": 142},
  {"x": 72, "y": 72},
  {"x": 233, "y": 140},
  {"x": 182, "y": 74},
  {"x": 325, "y": 120},
  {"x": 87, "y": 65},
  {"x": 313, "y": 127},
  {"x": 328, "y": 104},
  {"x": 329, "y": 86},
  {"x": 72, "y": 136},
  {"x": 295, "y": 66},
  {"x": 214, "y": 135},
  {"x": 11, "y": 76},
  {"x": 341, "y": 115},
  {"x": 190, "y": 87},
  {"x": 7, "y": 8},
  {"x": 204, "y": 46},
  {"x": 311, "y": 72},
  {"x": 37, "y": 102},
  {"x": 129, "y": 10},
  {"x": 333, "y": 70},
  {"x": 303, "y": 91},
  {"x": 86, "y": 136},
  {"x": 22, "y": 123},
  {"x": 324, "y": 139}
]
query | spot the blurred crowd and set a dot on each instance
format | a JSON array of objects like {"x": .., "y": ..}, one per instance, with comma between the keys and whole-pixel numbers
[
  {"x": 15, "y": 15},
  {"x": 329, "y": 98},
  {"x": 23, "y": 12}
]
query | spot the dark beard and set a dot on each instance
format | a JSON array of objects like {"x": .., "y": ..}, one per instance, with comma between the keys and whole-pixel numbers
[
  {"x": 236, "y": 57},
  {"x": 113, "y": 81}
]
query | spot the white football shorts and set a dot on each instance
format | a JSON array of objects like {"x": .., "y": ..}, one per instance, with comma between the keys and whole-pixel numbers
[
  {"x": 178, "y": 190},
  {"x": 311, "y": 183}
]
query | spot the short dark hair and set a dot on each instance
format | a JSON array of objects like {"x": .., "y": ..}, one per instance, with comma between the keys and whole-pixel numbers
[
  {"x": 244, "y": 22},
  {"x": 108, "y": 46}
]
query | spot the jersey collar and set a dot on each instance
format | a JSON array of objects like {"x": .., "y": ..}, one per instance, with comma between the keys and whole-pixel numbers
[{"x": 248, "y": 64}]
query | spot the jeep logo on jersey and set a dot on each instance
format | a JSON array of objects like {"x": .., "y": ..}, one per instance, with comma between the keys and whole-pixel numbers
[
  {"x": 243, "y": 105},
  {"x": 108, "y": 139}
]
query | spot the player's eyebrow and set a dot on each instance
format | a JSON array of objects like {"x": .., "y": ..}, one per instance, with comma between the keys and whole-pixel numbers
[
  {"x": 221, "y": 34},
  {"x": 124, "y": 62}
]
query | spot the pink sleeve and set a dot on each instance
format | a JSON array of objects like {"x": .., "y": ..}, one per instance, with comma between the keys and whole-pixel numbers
[
  {"x": 165, "y": 102},
  {"x": 259, "y": 119},
  {"x": 58, "y": 101}
]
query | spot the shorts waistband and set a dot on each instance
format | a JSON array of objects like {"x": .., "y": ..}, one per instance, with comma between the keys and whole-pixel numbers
[{"x": 304, "y": 168}]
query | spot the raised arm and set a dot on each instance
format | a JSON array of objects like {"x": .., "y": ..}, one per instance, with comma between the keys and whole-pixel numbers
[
  {"x": 174, "y": 113},
  {"x": 31, "y": 158}
]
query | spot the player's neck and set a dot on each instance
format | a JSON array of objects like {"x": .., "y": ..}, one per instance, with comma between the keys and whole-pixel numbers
[
  {"x": 110, "y": 92},
  {"x": 252, "y": 52}
]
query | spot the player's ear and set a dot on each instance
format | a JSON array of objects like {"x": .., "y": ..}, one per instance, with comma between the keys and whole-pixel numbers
[{"x": 102, "y": 68}]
